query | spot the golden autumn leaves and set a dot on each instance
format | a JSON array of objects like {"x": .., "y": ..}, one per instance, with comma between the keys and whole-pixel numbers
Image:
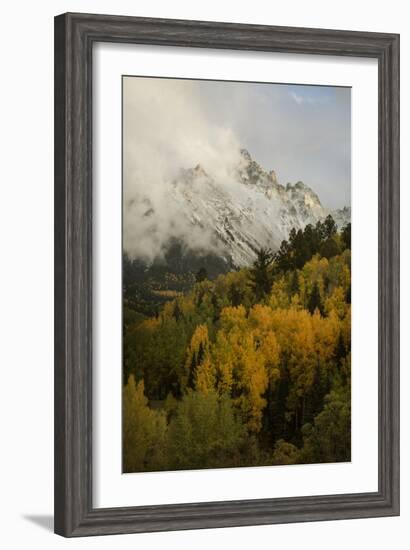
[
  {"x": 233, "y": 382},
  {"x": 246, "y": 355}
]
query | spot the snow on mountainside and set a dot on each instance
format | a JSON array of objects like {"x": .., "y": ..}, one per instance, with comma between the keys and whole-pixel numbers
[{"x": 251, "y": 211}]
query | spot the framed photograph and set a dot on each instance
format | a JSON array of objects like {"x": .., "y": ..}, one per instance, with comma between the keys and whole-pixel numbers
[{"x": 226, "y": 274}]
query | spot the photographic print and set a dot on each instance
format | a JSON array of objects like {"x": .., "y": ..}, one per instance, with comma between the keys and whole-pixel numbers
[{"x": 236, "y": 287}]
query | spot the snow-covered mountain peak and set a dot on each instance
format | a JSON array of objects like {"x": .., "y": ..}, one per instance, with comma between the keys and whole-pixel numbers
[
  {"x": 250, "y": 172},
  {"x": 234, "y": 214}
]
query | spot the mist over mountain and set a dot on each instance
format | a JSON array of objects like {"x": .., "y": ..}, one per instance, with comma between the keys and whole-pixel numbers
[{"x": 223, "y": 216}]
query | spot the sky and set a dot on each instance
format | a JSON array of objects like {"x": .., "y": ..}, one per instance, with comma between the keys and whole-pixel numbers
[{"x": 300, "y": 132}]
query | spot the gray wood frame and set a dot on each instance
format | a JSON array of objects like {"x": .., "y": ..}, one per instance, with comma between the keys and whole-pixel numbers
[{"x": 74, "y": 38}]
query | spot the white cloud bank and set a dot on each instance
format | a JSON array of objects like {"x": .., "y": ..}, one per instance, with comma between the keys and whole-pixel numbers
[
  {"x": 166, "y": 129},
  {"x": 169, "y": 124}
]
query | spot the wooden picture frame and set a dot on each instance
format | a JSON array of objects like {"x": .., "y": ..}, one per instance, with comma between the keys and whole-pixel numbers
[{"x": 75, "y": 35}]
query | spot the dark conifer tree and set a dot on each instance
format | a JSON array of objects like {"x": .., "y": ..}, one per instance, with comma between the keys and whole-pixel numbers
[
  {"x": 294, "y": 283},
  {"x": 346, "y": 235},
  {"x": 329, "y": 248},
  {"x": 177, "y": 311},
  {"x": 348, "y": 296},
  {"x": 261, "y": 273},
  {"x": 283, "y": 260},
  {"x": 320, "y": 231},
  {"x": 340, "y": 351},
  {"x": 312, "y": 239},
  {"x": 235, "y": 295},
  {"x": 329, "y": 227},
  {"x": 201, "y": 275},
  {"x": 315, "y": 300}
]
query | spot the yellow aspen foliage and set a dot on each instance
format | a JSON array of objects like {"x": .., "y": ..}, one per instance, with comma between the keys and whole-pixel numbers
[
  {"x": 246, "y": 357},
  {"x": 339, "y": 270},
  {"x": 168, "y": 310},
  {"x": 270, "y": 349},
  {"x": 315, "y": 268},
  {"x": 346, "y": 277},
  {"x": 301, "y": 359},
  {"x": 197, "y": 352},
  {"x": 336, "y": 303},
  {"x": 295, "y": 302},
  {"x": 260, "y": 316},
  {"x": 144, "y": 430},
  {"x": 233, "y": 317},
  {"x": 303, "y": 293},
  {"x": 285, "y": 322},
  {"x": 151, "y": 324},
  {"x": 205, "y": 376},
  {"x": 313, "y": 272},
  {"x": 252, "y": 380},
  {"x": 199, "y": 339},
  {"x": 239, "y": 370},
  {"x": 279, "y": 298},
  {"x": 187, "y": 306},
  {"x": 307, "y": 347},
  {"x": 326, "y": 333},
  {"x": 224, "y": 359}
]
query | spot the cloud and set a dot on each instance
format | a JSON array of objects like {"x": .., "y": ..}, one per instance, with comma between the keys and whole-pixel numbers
[
  {"x": 302, "y": 132},
  {"x": 300, "y": 99},
  {"x": 166, "y": 129},
  {"x": 308, "y": 141}
]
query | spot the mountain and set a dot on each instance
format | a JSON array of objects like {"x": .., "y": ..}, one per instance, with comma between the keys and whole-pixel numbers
[{"x": 251, "y": 211}]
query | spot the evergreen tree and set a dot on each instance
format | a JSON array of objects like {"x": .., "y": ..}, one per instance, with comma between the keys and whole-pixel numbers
[
  {"x": 315, "y": 300},
  {"x": 329, "y": 227},
  {"x": 177, "y": 311},
  {"x": 235, "y": 295},
  {"x": 320, "y": 231},
  {"x": 301, "y": 250},
  {"x": 329, "y": 248},
  {"x": 346, "y": 235},
  {"x": 294, "y": 283},
  {"x": 340, "y": 351},
  {"x": 216, "y": 308},
  {"x": 312, "y": 239},
  {"x": 348, "y": 296},
  {"x": 261, "y": 273},
  {"x": 283, "y": 260},
  {"x": 201, "y": 275}
]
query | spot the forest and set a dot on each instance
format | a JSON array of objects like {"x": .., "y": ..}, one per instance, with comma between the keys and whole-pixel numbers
[{"x": 248, "y": 368}]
